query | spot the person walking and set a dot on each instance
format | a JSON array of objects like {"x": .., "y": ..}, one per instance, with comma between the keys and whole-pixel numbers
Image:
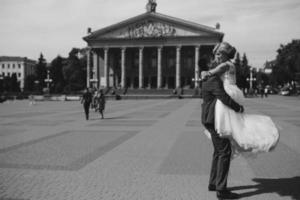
[
  {"x": 94, "y": 101},
  {"x": 86, "y": 101},
  {"x": 100, "y": 100},
  {"x": 266, "y": 91}
]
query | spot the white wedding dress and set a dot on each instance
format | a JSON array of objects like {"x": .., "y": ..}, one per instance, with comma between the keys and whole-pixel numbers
[{"x": 247, "y": 132}]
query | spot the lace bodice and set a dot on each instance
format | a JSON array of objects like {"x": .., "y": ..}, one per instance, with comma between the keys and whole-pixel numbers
[{"x": 229, "y": 76}]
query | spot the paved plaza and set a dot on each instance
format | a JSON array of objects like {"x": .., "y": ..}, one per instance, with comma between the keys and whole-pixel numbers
[{"x": 142, "y": 150}]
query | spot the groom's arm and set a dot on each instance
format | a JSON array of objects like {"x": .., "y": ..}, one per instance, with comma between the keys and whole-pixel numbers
[{"x": 219, "y": 92}]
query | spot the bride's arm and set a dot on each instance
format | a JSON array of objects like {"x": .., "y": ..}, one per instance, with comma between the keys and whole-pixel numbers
[{"x": 220, "y": 69}]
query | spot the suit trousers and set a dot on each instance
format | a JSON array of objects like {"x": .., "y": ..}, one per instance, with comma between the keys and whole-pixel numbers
[
  {"x": 86, "y": 107},
  {"x": 220, "y": 161}
]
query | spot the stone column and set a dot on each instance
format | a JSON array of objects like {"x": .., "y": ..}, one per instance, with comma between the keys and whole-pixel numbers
[
  {"x": 178, "y": 74},
  {"x": 88, "y": 65},
  {"x": 106, "y": 69},
  {"x": 123, "y": 70},
  {"x": 159, "y": 75},
  {"x": 141, "y": 75},
  {"x": 95, "y": 69},
  {"x": 196, "y": 66}
]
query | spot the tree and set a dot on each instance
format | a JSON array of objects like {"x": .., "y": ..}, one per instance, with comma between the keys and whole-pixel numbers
[
  {"x": 29, "y": 83},
  {"x": 10, "y": 83},
  {"x": 238, "y": 64},
  {"x": 1, "y": 85},
  {"x": 262, "y": 78},
  {"x": 56, "y": 74},
  {"x": 14, "y": 85},
  {"x": 74, "y": 72},
  {"x": 242, "y": 71},
  {"x": 41, "y": 72},
  {"x": 287, "y": 63}
]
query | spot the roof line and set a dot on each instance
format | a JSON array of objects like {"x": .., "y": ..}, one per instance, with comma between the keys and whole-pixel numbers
[{"x": 154, "y": 14}]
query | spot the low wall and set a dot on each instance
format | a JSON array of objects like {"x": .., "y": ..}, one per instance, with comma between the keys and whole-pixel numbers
[
  {"x": 108, "y": 97},
  {"x": 55, "y": 98}
]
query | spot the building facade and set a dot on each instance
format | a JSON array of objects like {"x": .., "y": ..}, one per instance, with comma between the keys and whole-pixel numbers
[
  {"x": 21, "y": 66},
  {"x": 268, "y": 66},
  {"x": 151, "y": 50}
]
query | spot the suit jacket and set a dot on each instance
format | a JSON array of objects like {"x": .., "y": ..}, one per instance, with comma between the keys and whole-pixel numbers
[
  {"x": 86, "y": 98},
  {"x": 212, "y": 89}
]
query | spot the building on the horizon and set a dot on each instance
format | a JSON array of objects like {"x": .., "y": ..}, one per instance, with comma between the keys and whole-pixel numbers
[
  {"x": 151, "y": 50},
  {"x": 21, "y": 66},
  {"x": 268, "y": 66}
]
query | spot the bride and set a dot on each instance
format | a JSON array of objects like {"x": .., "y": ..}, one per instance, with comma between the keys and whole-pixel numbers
[{"x": 247, "y": 132}]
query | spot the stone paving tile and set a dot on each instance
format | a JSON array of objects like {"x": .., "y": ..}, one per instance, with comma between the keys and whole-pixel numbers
[
  {"x": 69, "y": 150},
  {"x": 190, "y": 155},
  {"x": 167, "y": 160},
  {"x": 280, "y": 163},
  {"x": 6, "y": 131},
  {"x": 194, "y": 123},
  {"x": 114, "y": 123},
  {"x": 37, "y": 123}
]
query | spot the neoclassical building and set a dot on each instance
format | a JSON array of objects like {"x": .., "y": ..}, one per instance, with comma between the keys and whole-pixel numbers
[
  {"x": 151, "y": 50},
  {"x": 21, "y": 66}
]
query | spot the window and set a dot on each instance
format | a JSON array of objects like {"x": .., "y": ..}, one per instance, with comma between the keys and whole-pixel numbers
[
  {"x": 8, "y": 66},
  {"x": 3, "y": 66},
  {"x": 13, "y": 66},
  {"x": 19, "y": 75},
  {"x": 8, "y": 74},
  {"x": 19, "y": 66}
]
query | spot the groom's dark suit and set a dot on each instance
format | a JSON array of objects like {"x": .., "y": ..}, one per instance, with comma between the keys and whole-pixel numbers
[{"x": 212, "y": 89}]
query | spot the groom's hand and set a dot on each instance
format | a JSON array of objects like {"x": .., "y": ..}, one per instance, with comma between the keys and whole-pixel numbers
[{"x": 241, "y": 109}]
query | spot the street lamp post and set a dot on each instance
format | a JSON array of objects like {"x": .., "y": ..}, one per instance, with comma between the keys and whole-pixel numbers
[
  {"x": 48, "y": 80},
  {"x": 197, "y": 81},
  {"x": 251, "y": 80}
]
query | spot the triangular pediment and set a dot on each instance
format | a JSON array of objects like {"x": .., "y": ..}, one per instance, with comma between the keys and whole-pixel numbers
[{"x": 152, "y": 25}]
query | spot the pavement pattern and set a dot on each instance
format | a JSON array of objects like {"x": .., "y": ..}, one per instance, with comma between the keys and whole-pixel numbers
[{"x": 143, "y": 149}]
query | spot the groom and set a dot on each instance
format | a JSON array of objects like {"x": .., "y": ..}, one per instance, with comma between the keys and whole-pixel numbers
[{"x": 212, "y": 89}]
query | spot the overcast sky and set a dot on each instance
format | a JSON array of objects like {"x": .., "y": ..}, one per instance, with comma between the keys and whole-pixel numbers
[{"x": 53, "y": 27}]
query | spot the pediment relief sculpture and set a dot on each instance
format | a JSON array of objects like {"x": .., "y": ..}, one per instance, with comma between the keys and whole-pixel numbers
[{"x": 150, "y": 29}]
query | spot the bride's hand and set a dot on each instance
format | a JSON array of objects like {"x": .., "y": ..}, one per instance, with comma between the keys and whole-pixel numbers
[{"x": 205, "y": 75}]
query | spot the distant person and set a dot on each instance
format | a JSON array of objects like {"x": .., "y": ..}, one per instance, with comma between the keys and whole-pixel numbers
[
  {"x": 266, "y": 92},
  {"x": 86, "y": 101},
  {"x": 261, "y": 91},
  {"x": 31, "y": 100},
  {"x": 94, "y": 103},
  {"x": 100, "y": 101}
]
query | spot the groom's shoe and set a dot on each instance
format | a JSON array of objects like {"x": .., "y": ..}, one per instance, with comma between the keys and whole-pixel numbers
[
  {"x": 226, "y": 194},
  {"x": 211, "y": 187}
]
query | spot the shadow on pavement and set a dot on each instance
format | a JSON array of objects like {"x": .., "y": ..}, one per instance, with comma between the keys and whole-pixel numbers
[
  {"x": 106, "y": 118},
  {"x": 281, "y": 186}
]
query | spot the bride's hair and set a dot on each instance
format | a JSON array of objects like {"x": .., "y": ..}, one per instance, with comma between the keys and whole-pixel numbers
[{"x": 226, "y": 48}]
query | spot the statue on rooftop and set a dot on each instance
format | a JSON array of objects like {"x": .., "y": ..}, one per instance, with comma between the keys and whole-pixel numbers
[{"x": 151, "y": 6}]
